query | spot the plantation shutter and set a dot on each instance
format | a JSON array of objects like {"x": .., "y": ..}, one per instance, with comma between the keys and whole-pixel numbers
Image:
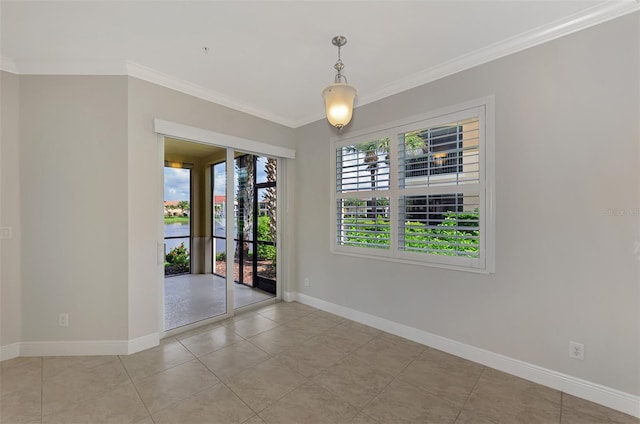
[
  {"x": 419, "y": 191},
  {"x": 362, "y": 197},
  {"x": 439, "y": 190}
]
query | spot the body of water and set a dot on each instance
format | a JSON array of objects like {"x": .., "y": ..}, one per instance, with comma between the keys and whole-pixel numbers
[{"x": 183, "y": 230}]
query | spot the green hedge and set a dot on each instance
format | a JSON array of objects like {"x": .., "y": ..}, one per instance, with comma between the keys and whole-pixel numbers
[
  {"x": 179, "y": 255},
  {"x": 443, "y": 240},
  {"x": 266, "y": 252}
]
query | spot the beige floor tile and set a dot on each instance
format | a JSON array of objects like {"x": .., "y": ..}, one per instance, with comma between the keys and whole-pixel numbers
[
  {"x": 76, "y": 386},
  {"x": 403, "y": 344},
  {"x": 145, "y": 420},
  {"x": 212, "y": 340},
  {"x": 265, "y": 383},
  {"x": 251, "y": 325},
  {"x": 21, "y": 406},
  {"x": 254, "y": 420},
  {"x": 234, "y": 359},
  {"x": 121, "y": 405},
  {"x": 309, "y": 404},
  {"x": 328, "y": 316},
  {"x": 20, "y": 374},
  {"x": 239, "y": 316},
  {"x": 344, "y": 339},
  {"x": 466, "y": 417},
  {"x": 198, "y": 330},
  {"x": 503, "y": 399},
  {"x": 383, "y": 356},
  {"x": 168, "y": 354},
  {"x": 311, "y": 325},
  {"x": 401, "y": 402},
  {"x": 580, "y": 411},
  {"x": 21, "y": 420},
  {"x": 159, "y": 390},
  {"x": 363, "y": 418},
  {"x": 353, "y": 381},
  {"x": 298, "y": 306},
  {"x": 310, "y": 358},
  {"x": 352, "y": 325},
  {"x": 57, "y": 366},
  {"x": 278, "y": 339},
  {"x": 21, "y": 390},
  {"x": 284, "y": 314},
  {"x": 443, "y": 375},
  {"x": 216, "y": 404}
]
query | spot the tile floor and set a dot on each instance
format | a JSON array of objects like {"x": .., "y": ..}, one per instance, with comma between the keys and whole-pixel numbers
[
  {"x": 190, "y": 298},
  {"x": 285, "y": 363}
]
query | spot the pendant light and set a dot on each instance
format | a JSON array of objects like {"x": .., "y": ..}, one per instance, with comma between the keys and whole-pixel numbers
[{"x": 339, "y": 96}]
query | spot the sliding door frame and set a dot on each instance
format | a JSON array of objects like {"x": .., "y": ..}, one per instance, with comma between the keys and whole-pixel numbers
[{"x": 231, "y": 144}]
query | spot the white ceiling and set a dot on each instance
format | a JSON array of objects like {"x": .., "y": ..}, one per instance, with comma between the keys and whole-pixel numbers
[{"x": 272, "y": 59}]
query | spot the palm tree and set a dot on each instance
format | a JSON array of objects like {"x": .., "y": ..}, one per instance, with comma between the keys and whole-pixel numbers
[
  {"x": 270, "y": 197},
  {"x": 372, "y": 151},
  {"x": 245, "y": 166}
]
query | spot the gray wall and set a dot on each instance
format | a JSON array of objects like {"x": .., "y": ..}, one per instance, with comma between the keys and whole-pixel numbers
[
  {"x": 567, "y": 150},
  {"x": 81, "y": 189},
  {"x": 10, "y": 289},
  {"x": 148, "y": 101},
  {"x": 73, "y": 141}
]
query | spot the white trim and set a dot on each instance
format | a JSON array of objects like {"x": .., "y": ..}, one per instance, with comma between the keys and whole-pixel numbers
[
  {"x": 290, "y": 296},
  {"x": 230, "y": 200},
  {"x": 199, "y": 135},
  {"x": 173, "y": 83},
  {"x": 79, "y": 348},
  {"x": 8, "y": 65},
  {"x": 607, "y": 396},
  {"x": 581, "y": 20},
  {"x": 482, "y": 108},
  {"x": 74, "y": 348},
  {"x": 71, "y": 67},
  {"x": 9, "y": 351},
  {"x": 143, "y": 343}
]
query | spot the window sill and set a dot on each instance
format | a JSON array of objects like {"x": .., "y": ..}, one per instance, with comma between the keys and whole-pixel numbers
[{"x": 388, "y": 258}]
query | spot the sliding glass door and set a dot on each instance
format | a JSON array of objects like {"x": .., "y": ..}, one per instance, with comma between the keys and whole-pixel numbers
[{"x": 255, "y": 226}]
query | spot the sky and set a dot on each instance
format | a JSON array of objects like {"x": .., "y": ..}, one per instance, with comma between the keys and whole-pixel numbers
[
  {"x": 176, "y": 181},
  {"x": 176, "y": 184}
]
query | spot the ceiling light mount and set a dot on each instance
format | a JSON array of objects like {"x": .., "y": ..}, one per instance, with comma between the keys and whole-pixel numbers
[{"x": 339, "y": 96}]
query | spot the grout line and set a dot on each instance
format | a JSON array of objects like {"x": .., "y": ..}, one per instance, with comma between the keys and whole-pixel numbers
[
  {"x": 484, "y": 369},
  {"x": 136, "y": 389},
  {"x": 41, "y": 390},
  {"x": 561, "y": 406}
]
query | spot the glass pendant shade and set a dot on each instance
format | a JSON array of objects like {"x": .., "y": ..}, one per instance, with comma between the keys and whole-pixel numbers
[{"x": 338, "y": 100}]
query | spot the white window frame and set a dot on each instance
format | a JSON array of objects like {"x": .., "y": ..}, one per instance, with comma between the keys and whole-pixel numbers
[{"x": 484, "y": 109}]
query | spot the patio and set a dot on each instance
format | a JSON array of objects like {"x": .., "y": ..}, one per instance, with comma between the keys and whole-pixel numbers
[{"x": 189, "y": 298}]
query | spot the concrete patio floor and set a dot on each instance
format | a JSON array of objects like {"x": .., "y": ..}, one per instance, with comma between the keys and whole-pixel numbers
[{"x": 191, "y": 298}]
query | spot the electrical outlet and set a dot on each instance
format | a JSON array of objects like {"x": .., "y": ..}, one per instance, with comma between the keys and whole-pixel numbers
[
  {"x": 63, "y": 320},
  {"x": 576, "y": 351},
  {"x": 306, "y": 282}
]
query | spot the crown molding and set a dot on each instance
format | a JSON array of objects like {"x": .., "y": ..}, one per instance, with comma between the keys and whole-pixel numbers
[
  {"x": 579, "y": 21},
  {"x": 589, "y": 17},
  {"x": 151, "y": 75},
  {"x": 582, "y": 20},
  {"x": 70, "y": 67}
]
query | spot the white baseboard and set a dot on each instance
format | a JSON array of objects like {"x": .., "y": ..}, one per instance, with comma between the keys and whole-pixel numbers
[
  {"x": 78, "y": 348},
  {"x": 143, "y": 343},
  {"x": 289, "y": 296},
  {"x": 74, "y": 348},
  {"x": 607, "y": 396},
  {"x": 9, "y": 351}
]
